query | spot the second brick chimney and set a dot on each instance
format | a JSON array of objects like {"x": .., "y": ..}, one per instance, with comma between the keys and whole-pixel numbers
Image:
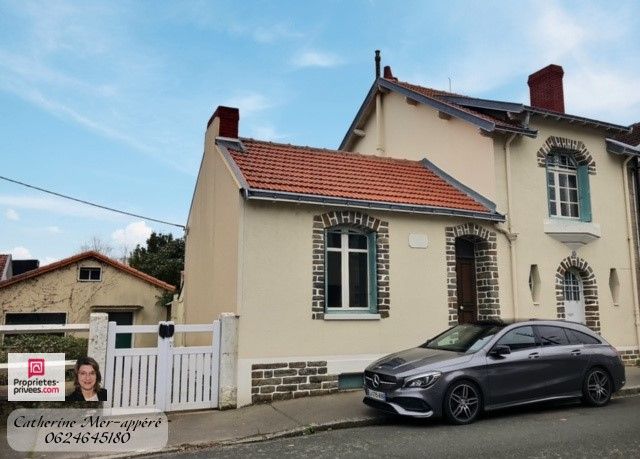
[
  {"x": 545, "y": 88},
  {"x": 228, "y": 118}
]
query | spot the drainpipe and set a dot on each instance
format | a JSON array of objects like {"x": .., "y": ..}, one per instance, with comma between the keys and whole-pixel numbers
[
  {"x": 509, "y": 233},
  {"x": 632, "y": 258}
]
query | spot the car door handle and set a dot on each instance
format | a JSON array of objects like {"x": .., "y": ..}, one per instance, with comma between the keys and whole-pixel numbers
[
  {"x": 534, "y": 355},
  {"x": 576, "y": 352}
]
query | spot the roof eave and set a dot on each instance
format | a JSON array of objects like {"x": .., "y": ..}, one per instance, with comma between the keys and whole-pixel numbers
[
  {"x": 280, "y": 196},
  {"x": 620, "y": 148},
  {"x": 578, "y": 119},
  {"x": 364, "y": 108}
]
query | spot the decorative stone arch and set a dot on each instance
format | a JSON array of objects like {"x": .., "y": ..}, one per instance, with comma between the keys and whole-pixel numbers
[
  {"x": 574, "y": 147},
  {"x": 486, "y": 260},
  {"x": 357, "y": 220},
  {"x": 589, "y": 287}
]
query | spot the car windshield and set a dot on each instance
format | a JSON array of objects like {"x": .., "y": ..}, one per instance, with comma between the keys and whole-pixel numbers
[{"x": 467, "y": 338}]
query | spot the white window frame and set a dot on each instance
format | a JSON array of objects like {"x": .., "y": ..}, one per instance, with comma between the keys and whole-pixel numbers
[
  {"x": 558, "y": 170},
  {"x": 99, "y": 268},
  {"x": 345, "y": 250}
]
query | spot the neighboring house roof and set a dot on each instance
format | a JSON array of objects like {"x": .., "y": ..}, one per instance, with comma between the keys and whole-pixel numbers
[
  {"x": 631, "y": 138},
  {"x": 488, "y": 115},
  {"x": 5, "y": 264},
  {"x": 273, "y": 171},
  {"x": 83, "y": 256}
]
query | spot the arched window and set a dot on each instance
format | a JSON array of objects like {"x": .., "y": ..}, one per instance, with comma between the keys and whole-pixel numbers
[
  {"x": 350, "y": 270},
  {"x": 568, "y": 188}
]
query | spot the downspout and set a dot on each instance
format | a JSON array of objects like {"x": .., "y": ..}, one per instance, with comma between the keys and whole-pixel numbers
[
  {"x": 509, "y": 233},
  {"x": 632, "y": 258}
]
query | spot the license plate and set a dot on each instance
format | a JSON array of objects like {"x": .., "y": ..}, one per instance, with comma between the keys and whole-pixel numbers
[{"x": 377, "y": 395}]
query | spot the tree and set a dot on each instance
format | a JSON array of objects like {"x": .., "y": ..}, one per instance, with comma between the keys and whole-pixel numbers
[
  {"x": 162, "y": 258},
  {"x": 98, "y": 245}
]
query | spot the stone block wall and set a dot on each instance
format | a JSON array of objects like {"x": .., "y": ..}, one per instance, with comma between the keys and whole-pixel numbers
[
  {"x": 287, "y": 380},
  {"x": 631, "y": 357}
]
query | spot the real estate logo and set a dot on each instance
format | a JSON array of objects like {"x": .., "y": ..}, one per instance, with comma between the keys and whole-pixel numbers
[{"x": 36, "y": 377}]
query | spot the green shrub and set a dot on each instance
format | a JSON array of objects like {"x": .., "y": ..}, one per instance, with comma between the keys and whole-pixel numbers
[{"x": 72, "y": 347}]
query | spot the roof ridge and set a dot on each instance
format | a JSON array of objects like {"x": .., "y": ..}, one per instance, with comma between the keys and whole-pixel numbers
[
  {"x": 329, "y": 150},
  {"x": 81, "y": 256}
]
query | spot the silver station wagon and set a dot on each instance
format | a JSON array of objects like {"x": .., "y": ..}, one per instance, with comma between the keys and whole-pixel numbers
[{"x": 489, "y": 365}]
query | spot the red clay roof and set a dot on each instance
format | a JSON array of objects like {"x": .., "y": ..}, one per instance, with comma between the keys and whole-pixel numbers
[
  {"x": 331, "y": 173},
  {"x": 82, "y": 256},
  {"x": 3, "y": 261},
  {"x": 632, "y": 138},
  {"x": 438, "y": 95}
]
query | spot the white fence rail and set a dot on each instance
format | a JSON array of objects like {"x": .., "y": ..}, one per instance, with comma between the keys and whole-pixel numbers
[{"x": 163, "y": 377}]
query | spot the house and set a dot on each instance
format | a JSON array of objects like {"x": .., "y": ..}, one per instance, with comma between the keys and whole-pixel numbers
[
  {"x": 69, "y": 290},
  {"x": 434, "y": 212}
]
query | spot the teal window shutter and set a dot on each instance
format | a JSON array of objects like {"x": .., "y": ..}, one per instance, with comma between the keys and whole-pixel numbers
[
  {"x": 373, "y": 273},
  {"x": 584, "y": 193}
]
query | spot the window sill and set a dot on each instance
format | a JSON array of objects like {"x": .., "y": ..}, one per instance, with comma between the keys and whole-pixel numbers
[
  {"x": 335, "y": 316},
  {"x": 573, "y": 233}
]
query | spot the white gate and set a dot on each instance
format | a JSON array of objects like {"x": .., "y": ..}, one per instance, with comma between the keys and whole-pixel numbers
[{"x": 164, "y": 377}]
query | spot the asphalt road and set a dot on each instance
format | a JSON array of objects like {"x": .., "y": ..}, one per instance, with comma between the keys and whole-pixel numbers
[{"x": 550, "y": 431}]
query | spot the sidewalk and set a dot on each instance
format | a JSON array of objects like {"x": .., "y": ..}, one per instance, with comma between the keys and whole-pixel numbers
[{"x": 279, "y": 419}]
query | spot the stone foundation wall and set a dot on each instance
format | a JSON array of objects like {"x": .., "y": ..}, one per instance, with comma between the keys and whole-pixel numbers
[
  {"x": 287, "y": 380},
  {"x": 630, "y": 357}
]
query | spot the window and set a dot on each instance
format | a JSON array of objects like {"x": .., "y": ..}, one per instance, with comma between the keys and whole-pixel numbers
[
  {"x": 534, "y": 283},
  {"x": 519, "y": 338},
  {"x": 614, "y": 286},
  {"x": 552, "y": 336},
  {"x": 90, "y": 274},
  {"x": 572, "y": 287},
  {"x": 36, "y": 318},
  {"x": 350, "y": 276},
  {"x": 568, "y": 188},
  {"x": 576, "y": 337}
]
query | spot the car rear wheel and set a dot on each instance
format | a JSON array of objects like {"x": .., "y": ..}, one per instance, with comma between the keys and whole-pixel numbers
[
  {"x": 596, "y": 389},
  {"x": 462, "y": 402}
]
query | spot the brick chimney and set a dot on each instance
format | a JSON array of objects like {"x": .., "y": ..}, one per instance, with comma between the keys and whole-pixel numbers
[
  {"x": 388, "y": 74},
  {"x": 228, "y": 118},
  {"x": 545, "y": 88}
]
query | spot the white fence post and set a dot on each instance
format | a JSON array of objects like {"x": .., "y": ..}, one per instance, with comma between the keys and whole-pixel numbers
[
  {"x": 163, "y": 372},
  {"x": 109, "y": 370},
  {"x": 228, "y": 389},
  {"x": 98, "y": 324}
]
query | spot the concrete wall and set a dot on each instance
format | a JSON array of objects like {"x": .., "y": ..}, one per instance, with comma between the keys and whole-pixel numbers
[
  {"x": 276, "y": 322},
  {"x": 416, "y": 132},
  {"x": 60, "y": 291},
  {"x": 214, "y": 226}
]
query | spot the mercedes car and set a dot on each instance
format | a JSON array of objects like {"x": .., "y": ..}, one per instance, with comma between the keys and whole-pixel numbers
[{"x": 489, "y": 365}]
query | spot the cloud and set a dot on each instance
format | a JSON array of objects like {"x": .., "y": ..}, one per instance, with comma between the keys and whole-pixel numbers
[
  {"x": 267, "y": 133},
  {"x": 134, "y": 233},
  {"x": 58, "y": 206},
  {"x": 273, "y": 33},
  {"x": 48, "y": 260},
  {"x": 20, "y": 253},
  {"x": 53, "y": 229},
  {"x": 12, "y": 215},
  {"x": 314, "y": 58},
  {"x": 249, "y": 103}
]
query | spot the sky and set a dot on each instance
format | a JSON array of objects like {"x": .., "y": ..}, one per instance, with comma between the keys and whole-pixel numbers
[{"x": 108, "y": 101}]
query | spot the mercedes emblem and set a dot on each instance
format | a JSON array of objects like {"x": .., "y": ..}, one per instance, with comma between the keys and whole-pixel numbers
[{"x": 376, "y": 381}]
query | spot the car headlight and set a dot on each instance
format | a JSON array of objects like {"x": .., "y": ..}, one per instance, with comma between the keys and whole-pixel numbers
[{"x": 422, "y": 381}]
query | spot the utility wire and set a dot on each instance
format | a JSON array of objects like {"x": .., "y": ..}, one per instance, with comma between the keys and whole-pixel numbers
[{"x": 91, "y": 203}]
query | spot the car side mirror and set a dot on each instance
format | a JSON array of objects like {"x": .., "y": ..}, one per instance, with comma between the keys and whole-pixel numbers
[{"x": 499, "y": 351}]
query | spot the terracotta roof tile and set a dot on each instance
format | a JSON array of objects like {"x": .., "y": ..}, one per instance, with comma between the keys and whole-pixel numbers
[
  {"x": 82, "y": 256},
  {"x": 632, "y": 138},
  {"x": 439, "y": 95},
  {"x": 332, "y": 173}
]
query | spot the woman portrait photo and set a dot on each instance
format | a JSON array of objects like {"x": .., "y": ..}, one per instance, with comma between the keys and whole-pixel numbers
[{"x": 87, "y": 379}]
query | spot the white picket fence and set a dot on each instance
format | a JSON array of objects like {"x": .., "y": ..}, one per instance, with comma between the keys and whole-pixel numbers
[{"x": 164, "y": 377}]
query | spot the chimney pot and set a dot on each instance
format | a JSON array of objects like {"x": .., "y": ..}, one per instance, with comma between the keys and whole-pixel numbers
[
  {"x": 545, "y": 88},
  {"x": 229, "y": 118},
  {"x": 388, "y": 74}
]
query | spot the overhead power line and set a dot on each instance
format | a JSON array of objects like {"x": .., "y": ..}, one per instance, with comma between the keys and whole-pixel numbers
[{"x": 111, "y": 209}]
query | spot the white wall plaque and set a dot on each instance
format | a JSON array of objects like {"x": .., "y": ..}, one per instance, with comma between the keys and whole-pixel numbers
[{"x": 418, "y": 241}]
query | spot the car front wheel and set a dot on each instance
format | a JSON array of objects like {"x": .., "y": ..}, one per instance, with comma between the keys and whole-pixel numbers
[
  {"x": 462, "y": 402},
  {"x": 596, "y": 389}
]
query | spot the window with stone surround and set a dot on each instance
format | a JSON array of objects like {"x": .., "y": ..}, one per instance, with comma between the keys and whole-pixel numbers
[
  {"x": 568, "y": 188},
  {"x": 350, "y": 266}
]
